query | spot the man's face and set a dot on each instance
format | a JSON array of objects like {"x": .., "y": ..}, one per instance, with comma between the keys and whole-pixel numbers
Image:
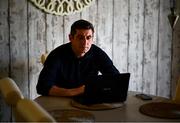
[{"x": 81, "y": 41}]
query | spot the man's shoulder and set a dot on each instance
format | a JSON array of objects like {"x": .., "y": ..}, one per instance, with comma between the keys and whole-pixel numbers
[
  {"x": 96, "y": 48},
  {"x": 61, "y": 50},
  {"x": 62, "y": 47}
]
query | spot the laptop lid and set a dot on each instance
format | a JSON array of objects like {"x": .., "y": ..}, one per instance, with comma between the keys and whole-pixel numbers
[{"x": 105, "y": 89}]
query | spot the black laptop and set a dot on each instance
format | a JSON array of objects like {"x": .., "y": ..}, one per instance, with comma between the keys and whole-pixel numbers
[{"x": 105, "y": 89}]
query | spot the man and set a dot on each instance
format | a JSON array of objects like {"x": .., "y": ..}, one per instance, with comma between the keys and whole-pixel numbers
[{"x": 68, "y": 66}]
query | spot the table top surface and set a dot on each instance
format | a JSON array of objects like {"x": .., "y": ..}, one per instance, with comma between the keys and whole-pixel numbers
[{"x": 128, "y": 112}]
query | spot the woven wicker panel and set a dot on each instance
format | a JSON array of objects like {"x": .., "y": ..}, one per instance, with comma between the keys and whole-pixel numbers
[{"x": 161, "y": 110}]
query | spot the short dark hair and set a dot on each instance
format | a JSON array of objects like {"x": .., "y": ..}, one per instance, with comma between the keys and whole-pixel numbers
[{"x": 81, "y": 24}]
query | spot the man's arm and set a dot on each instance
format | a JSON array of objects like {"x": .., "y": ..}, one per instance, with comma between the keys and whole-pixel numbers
[
  {"x": 57, "y": 91},
  {"x": 106, "y": 64}
]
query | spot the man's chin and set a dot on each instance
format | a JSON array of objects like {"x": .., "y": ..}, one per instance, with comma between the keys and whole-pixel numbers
[
  {"x": 82, "y": 53},
  {"x": 84, "y": 50}
]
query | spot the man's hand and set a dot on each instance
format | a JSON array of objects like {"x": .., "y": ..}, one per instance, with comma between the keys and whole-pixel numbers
[
  {"x": 57, "y": 91},
  {"x": 76, "y": 91}
]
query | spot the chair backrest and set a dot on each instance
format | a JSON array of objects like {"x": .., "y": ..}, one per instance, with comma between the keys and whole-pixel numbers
[
  {"x": 43, "y": 57},
  {"x": 29, "y": 111},
  {"x": 10, "y": 91},
  {"x": 177, "y": 95}
]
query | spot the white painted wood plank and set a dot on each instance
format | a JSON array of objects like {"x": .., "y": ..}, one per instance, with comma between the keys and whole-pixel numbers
[
  {"x": 120, "y": 34},
  {"x": 68, "y": 21},
  {"x": 37, "y": 45},
  {"x": 150, "y": 46},
  {"x": 135, "y": 49},
  {"x": 5, "y": 110},
  {"x": 105, "y": 23},
  {"x": 19, "y": 44},
  {"x": 164, "y": 51},
  {"x": 54, "y": 31},
  {"x": 4, "y": 40}
]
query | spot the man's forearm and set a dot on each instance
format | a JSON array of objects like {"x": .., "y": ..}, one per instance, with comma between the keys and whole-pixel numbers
[{"x": 57, "y": 91}]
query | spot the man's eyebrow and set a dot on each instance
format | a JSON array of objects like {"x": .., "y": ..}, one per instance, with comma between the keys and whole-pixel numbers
[{"x": 84, "y": 35}]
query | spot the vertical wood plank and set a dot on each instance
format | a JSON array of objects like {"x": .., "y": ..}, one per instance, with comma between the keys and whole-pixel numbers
[
  {"x": 135, "y": 54},
  {"x": 37, "y": 45},
  {"x": 5, "y": 111},
  {"x": 18, "y": 44},
  {"x": 120, "y": 34},
  {"x": 164, "y": 51},
  {"x": 105, "y": 23},
  {"x": 90, "y": 14},
  {"x": 68, "y": 21},
  {"x": 54, "y": 31},
  {"x": 4, "y": 39},
  {"x": 150, "y": 46},
  {"x": 177, "y": 6},
  {"x": 175, "y": 58}
]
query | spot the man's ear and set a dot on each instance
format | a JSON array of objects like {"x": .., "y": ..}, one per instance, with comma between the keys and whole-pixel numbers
[{"x": 70, "y": 38}]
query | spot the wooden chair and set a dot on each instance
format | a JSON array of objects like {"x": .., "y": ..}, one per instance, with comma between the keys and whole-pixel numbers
[
  {"x": 23, "y": 109},
  {"x": 29, "y": 111},
  {"x": 177, "y": 95},
  {"x": 10, "y": 91},
  {"x": 43, "y": 57}
]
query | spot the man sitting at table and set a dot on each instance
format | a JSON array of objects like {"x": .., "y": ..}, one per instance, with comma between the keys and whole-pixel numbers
[{"x": 67, "y": 66}]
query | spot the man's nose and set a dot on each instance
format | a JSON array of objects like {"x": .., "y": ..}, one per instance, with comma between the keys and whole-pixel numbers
[{"x": 84, "y": 41}]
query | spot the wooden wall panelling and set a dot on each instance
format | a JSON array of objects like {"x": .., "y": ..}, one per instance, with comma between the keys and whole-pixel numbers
[
  {"x": 32, "y": 32},
  {"x": 150, "y": 46},
  {"x": 105, "y": 25},
  {"x": 5, "y": 111},
  {"x": 135, "y": 50},
  {"x": 4, "y": 39},
  {"x": 175, "y": 57},
  {"x": 178, "y": 6},
  {"x": 68, "y": 21},
  {"x": 19, "y": 44},
  {"x": 54, "y": 31},
  {"x": 37, "y": 44},
  {"x": 120, "y": 34},
  {"x": 90, "y": 14},
  {"x": 164, "y": 51}
]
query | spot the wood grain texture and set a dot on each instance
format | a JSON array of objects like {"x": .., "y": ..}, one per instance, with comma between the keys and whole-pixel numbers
[
  {"x": 105, "y": 23},
  {"x": 175, "y": 58},
  {"x": 5, "y": 111},
  {"x": 120, "y": 34},
  {"x": 19, "y": 45},
  {"x": 37, "y": 45},
  {"x": 135, "y": 48},
  {"x": 54, "y": 32},
  {"x": 150, "y": 46},
  {"x": 164, "y": 51},
  {"x": 4, "y": 40},
  {"x": 68, "y": 21}
]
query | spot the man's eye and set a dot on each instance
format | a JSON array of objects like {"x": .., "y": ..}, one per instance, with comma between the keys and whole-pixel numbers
[
  {"x": 89, "y": 37},
  {"x": 84, "y": 38}
]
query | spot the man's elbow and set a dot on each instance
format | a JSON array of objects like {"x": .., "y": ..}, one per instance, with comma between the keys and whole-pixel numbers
[{"x": 42, "y": 90}]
